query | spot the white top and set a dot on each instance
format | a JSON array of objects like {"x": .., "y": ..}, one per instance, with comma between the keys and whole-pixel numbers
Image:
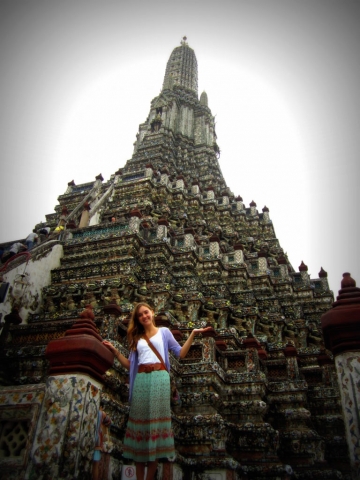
[
  {"x": 145, "y": 354},
  {"x": 31, "y": 237},
  {"x": 16, "y": 247}
]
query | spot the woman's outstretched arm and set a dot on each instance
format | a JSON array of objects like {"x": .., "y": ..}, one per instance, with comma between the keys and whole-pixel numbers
[
  {"x": 185, "y": 348},
  {"x": 123, "y": 360}
]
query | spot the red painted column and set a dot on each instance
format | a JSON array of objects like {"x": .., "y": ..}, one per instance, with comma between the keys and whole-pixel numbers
[{"x": 65, "y": 434}]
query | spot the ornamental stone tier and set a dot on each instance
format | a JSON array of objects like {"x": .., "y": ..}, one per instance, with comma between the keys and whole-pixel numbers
[
  {"x": 341, "y": 328},
  {"x": 259, "y": 392}
]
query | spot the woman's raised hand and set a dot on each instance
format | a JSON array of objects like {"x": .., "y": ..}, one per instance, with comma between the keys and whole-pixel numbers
[
  {"x": 202, "y": 330},
  {"x": 190, "y": 339},
  {"x": 124, "y": 361},
  {"x": 110, "y": 346}
]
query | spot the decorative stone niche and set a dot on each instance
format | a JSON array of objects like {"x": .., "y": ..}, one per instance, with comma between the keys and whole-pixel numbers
[{"x": 19, "y": 414}]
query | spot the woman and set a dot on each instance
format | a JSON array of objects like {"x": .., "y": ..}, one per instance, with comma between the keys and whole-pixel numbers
[{"x": 149, "y": 434}]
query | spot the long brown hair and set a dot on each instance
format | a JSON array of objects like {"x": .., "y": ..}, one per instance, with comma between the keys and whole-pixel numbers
[{"x": 135, "y": 330}]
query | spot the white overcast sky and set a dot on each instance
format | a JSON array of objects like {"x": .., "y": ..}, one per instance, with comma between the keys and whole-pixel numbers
[{"x": 282, "y": 78}]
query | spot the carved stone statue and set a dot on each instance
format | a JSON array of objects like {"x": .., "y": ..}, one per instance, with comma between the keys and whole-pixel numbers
[
  {"x": 112, "y": 296},
  {"x": 68, "y": 303}
]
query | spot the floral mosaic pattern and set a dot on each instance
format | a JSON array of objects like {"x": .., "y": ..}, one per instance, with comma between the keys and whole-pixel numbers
[
  {"x": 66, "y": 428},
  {"x": 348, "y": 370}
]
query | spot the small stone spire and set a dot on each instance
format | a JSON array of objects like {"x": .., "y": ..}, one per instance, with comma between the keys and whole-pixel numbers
[
  {"x": 322, "y": 273},
  {"x": 303, "y": 267},
  {"x": 204, "y": 99}
]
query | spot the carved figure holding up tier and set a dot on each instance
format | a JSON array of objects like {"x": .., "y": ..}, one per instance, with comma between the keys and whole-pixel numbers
[
  {"x": 179, "y": 306},
  {"x": 49, "y": 305},
  {"x": 142, "y": 294},
  {"x": 314, "y": 336},
  {"x": 68, "y": 303},
  {"x": 290, "y": 333},
  {"x": 92, "y": 294},
  {"x": 239, "y": 322},
  {"x": 112, "y": 296},
  {"x": 277, "y": 334},
  {"x": 89, "y": 299},
  {"x": 193, "y": 310},
  {"x": 222, "y": 318},
  {"x": 211, "y": 313},
  {"x": 266, "y": 328},
  {"x": 160, "y": 300}
]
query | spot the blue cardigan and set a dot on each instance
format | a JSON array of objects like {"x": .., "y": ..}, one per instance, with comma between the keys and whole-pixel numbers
[{"x": 169, "y": 344}]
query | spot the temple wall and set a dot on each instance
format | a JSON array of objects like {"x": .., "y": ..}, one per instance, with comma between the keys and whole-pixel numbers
[
  {"x": 39, "y": 276},
  {"x": 191, "y": 123},
  {"x": 173, "y": 115},
  {"x": 198, "y": 130}
]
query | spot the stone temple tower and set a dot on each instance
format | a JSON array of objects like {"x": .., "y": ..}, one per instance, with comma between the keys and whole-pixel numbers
[{"x": 259, "y": 391}]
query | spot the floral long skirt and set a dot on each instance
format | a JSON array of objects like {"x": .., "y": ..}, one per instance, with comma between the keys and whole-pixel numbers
[{"x": 149, "y": 435}]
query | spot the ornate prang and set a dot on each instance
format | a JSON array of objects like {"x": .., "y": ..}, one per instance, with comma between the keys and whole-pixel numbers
[{"x": 259, "y": 393}]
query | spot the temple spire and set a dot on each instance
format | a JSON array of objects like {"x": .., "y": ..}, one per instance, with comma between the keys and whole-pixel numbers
[{"x": 181, "y": 68}]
